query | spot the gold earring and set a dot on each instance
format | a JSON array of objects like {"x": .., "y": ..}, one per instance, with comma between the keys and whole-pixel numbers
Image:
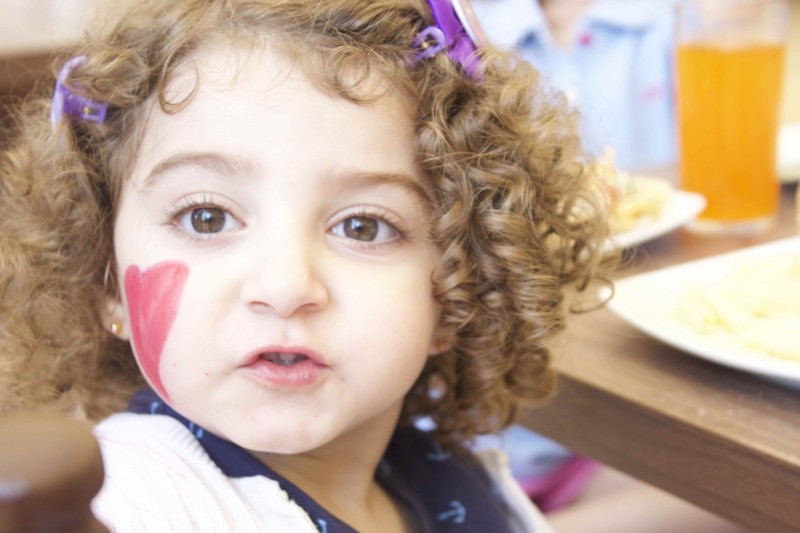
[{"x": 115, "y": 328}]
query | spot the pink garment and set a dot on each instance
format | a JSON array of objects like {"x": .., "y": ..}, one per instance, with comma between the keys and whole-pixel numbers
[{"x": 562, "y": 485}]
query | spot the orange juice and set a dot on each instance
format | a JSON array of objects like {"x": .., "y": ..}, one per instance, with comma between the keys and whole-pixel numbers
[{"x": 728, "y": 104}]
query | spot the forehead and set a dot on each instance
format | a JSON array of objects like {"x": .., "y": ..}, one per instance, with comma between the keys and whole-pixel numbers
[
  {"x": 260, "y": 66},
  {"x": 240, "y": 99}
]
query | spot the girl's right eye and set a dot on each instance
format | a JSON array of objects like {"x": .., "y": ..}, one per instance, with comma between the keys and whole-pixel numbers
[{"x": 207, "y": 220}]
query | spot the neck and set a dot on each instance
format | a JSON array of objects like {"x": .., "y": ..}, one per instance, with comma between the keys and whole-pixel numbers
[
  {"x": 340, "y": 477},
  {"x": 561, "y": 17}
]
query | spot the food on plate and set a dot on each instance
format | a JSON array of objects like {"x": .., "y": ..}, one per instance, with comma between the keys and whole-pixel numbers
[
  {"x": 758, "y": 302},
  {"x": 632, "y": 199}
]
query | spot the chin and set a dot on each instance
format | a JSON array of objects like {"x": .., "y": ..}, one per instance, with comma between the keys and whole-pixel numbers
[{"x": 283, "y": 443}]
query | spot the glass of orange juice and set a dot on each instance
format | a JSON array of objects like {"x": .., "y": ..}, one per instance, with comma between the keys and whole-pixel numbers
[{"x": 729, "y": 69}]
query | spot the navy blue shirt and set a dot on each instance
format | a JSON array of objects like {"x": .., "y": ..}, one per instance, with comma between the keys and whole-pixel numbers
[{"x": 444, "y": 493}]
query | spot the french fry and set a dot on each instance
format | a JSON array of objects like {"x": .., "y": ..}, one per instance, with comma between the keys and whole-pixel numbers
[
  {"x": 631, "y": 198},
  {"x": 758, "y": 302}
]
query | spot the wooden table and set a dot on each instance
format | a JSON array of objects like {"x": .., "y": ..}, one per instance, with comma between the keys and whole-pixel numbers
[{"x": 724, "y": 439}]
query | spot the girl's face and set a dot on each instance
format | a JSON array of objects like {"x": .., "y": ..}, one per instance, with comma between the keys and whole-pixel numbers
[{"x": 273, "y": 242}]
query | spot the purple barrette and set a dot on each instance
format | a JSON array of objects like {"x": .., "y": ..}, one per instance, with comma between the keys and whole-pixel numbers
[
  {"x": 65, "y": 102},
  {"x": 456, "y": 30}
]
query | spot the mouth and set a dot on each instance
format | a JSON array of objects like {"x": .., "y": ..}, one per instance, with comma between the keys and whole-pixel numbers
[
  {"x": 286, "y": 366},
  {"x": 285, "y": 356},
  {"x": 283, "y": 359}
]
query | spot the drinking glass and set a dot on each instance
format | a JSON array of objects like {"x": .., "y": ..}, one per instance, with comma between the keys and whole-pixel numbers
[{"x": 730, "y": 62}]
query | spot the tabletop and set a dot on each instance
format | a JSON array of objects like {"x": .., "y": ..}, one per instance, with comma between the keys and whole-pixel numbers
[{"x": 726, "y": 440}]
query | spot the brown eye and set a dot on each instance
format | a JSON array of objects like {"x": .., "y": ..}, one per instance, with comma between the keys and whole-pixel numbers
[
  {"x": 367, "y": 229},
  {"x": 361, "y": 228},
  {"x": 208, "y": 219}
]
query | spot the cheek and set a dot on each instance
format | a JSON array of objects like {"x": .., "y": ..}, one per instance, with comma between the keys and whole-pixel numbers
[{"x": 153, "y": 297}]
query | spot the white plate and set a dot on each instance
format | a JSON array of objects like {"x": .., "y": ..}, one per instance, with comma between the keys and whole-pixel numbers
[
  {"x": 682, "y": 207},
  {"x": 789, "y": 153},
  {"x": 647, "y": 301}
]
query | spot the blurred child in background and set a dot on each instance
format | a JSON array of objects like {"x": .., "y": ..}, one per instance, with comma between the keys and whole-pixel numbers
[{"x": 612, "y": 58}]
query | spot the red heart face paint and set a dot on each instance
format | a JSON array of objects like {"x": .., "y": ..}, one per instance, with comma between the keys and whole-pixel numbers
[{"x": 153, "y": 299}]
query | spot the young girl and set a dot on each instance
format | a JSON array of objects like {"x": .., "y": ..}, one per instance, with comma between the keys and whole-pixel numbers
[{"x": 296, "y": 228}]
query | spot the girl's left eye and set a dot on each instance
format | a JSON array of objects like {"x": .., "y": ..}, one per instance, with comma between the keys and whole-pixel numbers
[
  {"x": 366, "y": 229},
  {"x": 207, "y": 220}
]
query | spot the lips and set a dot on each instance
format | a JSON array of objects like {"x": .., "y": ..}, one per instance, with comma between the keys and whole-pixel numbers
[
  {"x": 285, "y": 367},
  {"x": 285, "y": 355}
]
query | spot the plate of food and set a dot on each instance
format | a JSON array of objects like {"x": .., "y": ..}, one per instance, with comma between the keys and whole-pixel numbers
[
  {"x": 740, "y": 309},
  {"x": 642, "y": 207},
  {"x": 679, "y": 208}
]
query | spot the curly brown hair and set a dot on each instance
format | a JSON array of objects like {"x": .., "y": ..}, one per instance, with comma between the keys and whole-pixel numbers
[{"x": 501, "y": 153}]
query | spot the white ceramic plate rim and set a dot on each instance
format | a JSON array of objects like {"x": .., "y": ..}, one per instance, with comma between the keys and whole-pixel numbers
[
  {"x": 682, "y": 207},
  {"x": 647, "y": 301}
]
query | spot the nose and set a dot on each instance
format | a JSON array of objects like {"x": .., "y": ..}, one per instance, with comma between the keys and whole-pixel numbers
[{"x": 286, "y": 280}]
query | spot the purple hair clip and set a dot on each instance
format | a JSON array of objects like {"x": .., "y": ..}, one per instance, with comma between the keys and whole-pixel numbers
[
  {"x": 456, "y": 30},
  {"x": 65, "y": 102}
]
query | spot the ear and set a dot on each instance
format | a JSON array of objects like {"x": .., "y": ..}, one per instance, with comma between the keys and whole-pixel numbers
[
  {"x": 443, "y": 341},
  {"x": 115, "y": 318}
]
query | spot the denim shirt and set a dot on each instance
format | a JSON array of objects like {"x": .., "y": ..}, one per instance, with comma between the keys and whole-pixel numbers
[{"x": 618, "y": 71}]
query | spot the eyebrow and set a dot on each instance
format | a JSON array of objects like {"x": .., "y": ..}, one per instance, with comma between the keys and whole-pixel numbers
[
  {"x": 221, "y": 164},
  {"x": 354, "y": 180}
]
